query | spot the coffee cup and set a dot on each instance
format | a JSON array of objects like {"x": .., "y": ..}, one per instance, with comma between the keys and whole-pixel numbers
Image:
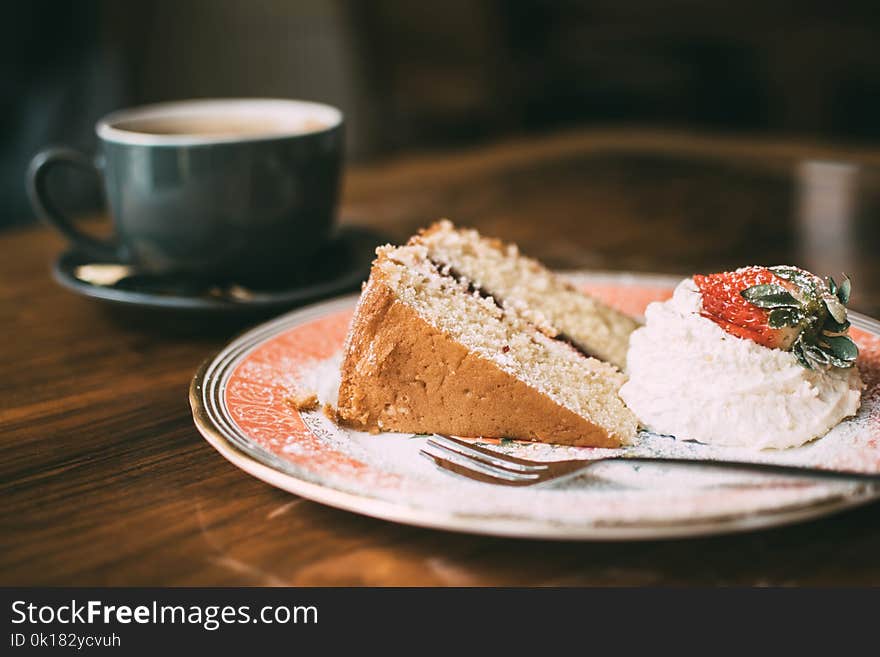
[{"x": 237, "y": 189}]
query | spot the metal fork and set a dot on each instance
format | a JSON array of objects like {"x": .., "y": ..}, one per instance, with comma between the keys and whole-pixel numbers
[{"x": 475, "y": 462}]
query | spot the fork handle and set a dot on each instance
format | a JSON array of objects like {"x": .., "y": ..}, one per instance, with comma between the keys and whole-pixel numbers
[{"x": 768, "y": 468}]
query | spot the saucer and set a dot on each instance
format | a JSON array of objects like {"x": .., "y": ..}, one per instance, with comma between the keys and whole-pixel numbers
[{"x": 339, "y": 267}]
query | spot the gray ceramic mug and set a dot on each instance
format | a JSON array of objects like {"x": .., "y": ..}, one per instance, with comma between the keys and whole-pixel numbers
[{"x": 239, "y": 189}]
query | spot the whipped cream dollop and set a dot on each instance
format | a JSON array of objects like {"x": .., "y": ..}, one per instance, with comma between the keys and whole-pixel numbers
[{"x": 690, "y": 379}]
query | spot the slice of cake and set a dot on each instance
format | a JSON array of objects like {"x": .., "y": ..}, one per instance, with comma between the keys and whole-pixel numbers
[
  {"x": 431, "y": 350},
  {"x": 524, "y": 284}
]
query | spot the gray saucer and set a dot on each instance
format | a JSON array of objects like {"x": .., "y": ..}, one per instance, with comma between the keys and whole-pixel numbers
[{"x": 340, "y": 267}]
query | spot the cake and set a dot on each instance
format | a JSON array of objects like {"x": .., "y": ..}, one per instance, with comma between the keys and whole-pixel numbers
[
  {"x": 525, "y": 285},
  {"x": 458, "y": 334},
  {"x": 759, "y": 357}
]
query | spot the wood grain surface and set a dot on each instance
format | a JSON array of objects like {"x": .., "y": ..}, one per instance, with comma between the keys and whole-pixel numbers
[{"x": 105, "y": 480}]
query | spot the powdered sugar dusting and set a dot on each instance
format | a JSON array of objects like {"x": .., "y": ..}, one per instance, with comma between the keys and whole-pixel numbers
[
  {"x": 388, "y": 466},
  {"x": 322, "y": 378},
  {"x": 612, "y": 493}
]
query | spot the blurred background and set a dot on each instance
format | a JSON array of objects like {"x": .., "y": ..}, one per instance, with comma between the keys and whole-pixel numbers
[{"x": 417, "y": 76}]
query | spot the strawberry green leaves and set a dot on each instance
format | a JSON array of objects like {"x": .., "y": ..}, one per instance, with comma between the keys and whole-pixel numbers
[
  {"x": 770, "y": 296},
  {"x": 818, "y": 310},
  {"x": 785, "y": 310},
  {"x": 780, "y": 317},
  {"x": 803, "y": 279},
  {"x": 842, "y": 292},
  {"x": 836, "y": 298},
  {"x": 836, "y": 351},
  {"x": 832, "y": 326},
  {"x": 842, "y": 347}
]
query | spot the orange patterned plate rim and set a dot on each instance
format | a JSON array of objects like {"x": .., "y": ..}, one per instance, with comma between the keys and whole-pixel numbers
[{"x": 238, "y": 399}]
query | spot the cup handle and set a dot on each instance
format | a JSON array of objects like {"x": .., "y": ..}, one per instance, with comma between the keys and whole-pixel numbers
[{"x": 38, "y": 170}]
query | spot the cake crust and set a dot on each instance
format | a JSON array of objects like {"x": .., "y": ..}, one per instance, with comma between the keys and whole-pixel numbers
[{"x": 399, "y": 373}]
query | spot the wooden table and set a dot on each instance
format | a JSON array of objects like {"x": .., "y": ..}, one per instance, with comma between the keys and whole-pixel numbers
[{"x": 105, "y": 480}]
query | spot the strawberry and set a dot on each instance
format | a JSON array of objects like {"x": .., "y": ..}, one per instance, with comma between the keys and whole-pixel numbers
[
  {"x": 725, "y": 305},
  {"x": 782, "y": 308}
]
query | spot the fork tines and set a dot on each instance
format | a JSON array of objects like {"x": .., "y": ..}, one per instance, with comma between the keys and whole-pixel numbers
[{"x": 482, "y": 464}]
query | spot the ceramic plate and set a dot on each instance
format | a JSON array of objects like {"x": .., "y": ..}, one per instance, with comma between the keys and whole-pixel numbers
[{"x": 239, "y": 401}]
